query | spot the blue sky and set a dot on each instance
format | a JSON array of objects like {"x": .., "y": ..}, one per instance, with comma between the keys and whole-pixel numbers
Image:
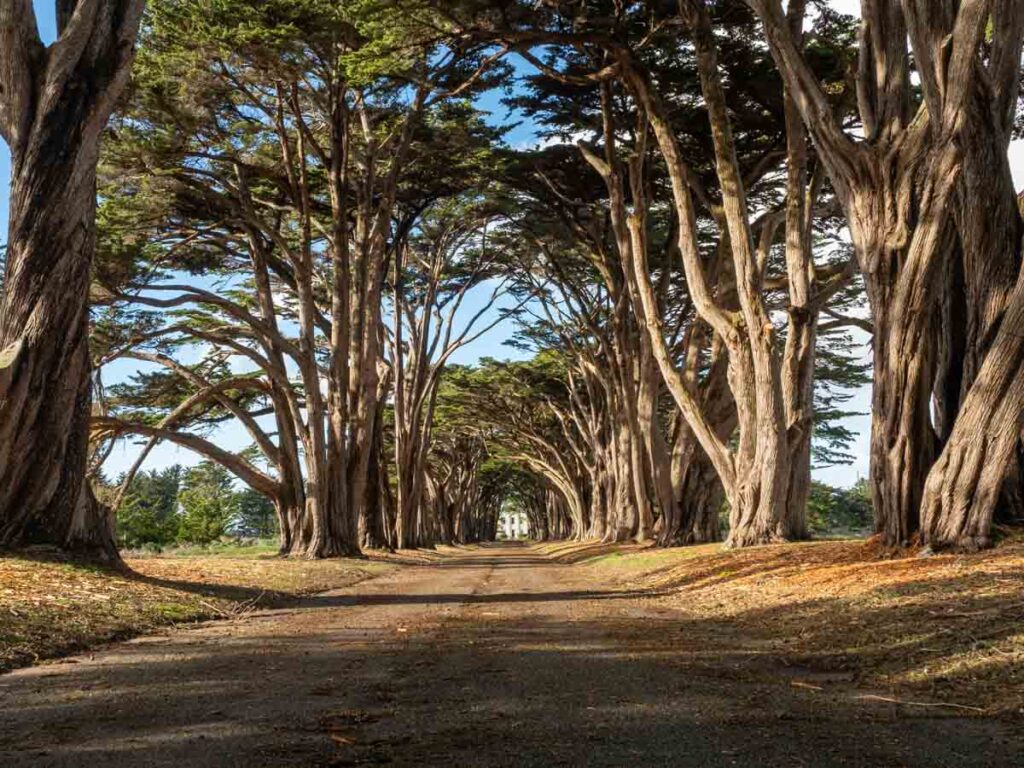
[
  {"x": 48, "y": 31},
  {"x": 491, "y": 345}
]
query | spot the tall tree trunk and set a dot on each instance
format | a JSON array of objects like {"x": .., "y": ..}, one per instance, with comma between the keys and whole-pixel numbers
[
  {"x": 696, "y": 482},
  {"x": 54, "y": 103},
  {"x": 902, "y": 440},
  {"x": 755, "y": 477},
  {"x": 902, "y": 285},
  {"x": 990, "y": 228},
  {"x": 44, "y": 326},
  {"x": 760, "y": 515},
  {"x": 701, "y": 499},
  {"x": 964, "y": 487},
  {"x": 372, "y": 524},
  {"x": 290, "y": 503},
  {"x": 802, "y": 321},
  {"x": 895, "y": 190}
]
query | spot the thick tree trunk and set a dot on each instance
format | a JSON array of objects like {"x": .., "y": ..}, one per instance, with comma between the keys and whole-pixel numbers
[
  {"x": 289, "y": 511},
  {"x": 364, "y": 397},
  {"x": 647, "y": 461},
  {"x": 901, "y": 286},
  {"x": 625, "y": 511},
  {"x": 988, "y": 222},
  {"x": 371, "y": 521},
  {"x": 54, "y": 103},
  {"x": 988, "y": 218},
  {"x": 44, "y": 325},
  {"x": 802, "y": 322},
  {"x": 372, "y": 525},
  {"x": 965, "y": 485},
  {"x": 699, "y": 488},
  {"x": 760, "y": 513},
  {"x": 701, "y": 500},
  {"x": 895, "y": 190},
  {"x": 902, "y": 439},
  {"x": 409, "y": 498}
]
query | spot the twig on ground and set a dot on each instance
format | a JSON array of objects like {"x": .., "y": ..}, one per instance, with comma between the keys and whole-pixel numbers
[
  {"x": 888, "y": 700},
  {"x": 799, "y": 684},
  {"x": 215, "y": 609}
]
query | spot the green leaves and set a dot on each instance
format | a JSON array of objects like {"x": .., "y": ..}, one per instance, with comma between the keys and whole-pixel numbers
[
  {"x": 208, "y": 503},
  {"x": 840, "y": 511},
  {"x": 149, "y": 514}
]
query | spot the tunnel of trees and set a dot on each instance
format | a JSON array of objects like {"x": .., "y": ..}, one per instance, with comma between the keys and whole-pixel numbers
[{"x": 289, "y": 217}]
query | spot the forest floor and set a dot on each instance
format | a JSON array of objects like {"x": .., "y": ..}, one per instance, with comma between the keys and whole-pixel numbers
[
  {"x": 819, "y": 654},
  {"x": 52, "y": 607}
]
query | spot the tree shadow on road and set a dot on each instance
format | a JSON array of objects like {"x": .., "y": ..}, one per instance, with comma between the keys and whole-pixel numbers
[{"x": 619, "y": 685}]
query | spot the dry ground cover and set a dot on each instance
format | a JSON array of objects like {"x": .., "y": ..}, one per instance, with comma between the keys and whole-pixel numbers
[
  {"x": 565, "y": 655},
  {"x": 945, "y": 629},
  {"x": 51, "y": 608},
  {"x": 833, "y": 616}
]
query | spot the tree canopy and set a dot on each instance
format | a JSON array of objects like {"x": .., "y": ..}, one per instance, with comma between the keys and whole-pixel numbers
[{"x": 305, "y": 217}]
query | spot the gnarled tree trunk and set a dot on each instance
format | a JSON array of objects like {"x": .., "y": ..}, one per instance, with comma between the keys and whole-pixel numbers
[
  {"x": 964, "y": 487},
  {"x": 900, "y": 190},
  {"x": 54, "y": 103}
]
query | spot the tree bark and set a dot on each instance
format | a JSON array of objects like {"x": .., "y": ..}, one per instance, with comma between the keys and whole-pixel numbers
[
  {"x": 372, "y": 529},
  {"x": 964, "y": 487},
  {"x": 53, "y": 106},
  {"x": 896, "y": 191},
  {"x": 755, "y": 477},
  {"x": 802, "y": 320}
]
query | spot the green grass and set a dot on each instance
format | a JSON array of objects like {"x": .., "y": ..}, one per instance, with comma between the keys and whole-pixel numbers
[
  {"x": 638, "y": 560},
  {"x": 257, "y": 548}
]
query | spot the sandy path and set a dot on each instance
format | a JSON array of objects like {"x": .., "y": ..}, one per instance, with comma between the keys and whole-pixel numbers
[{"x": 497, "y": 657}]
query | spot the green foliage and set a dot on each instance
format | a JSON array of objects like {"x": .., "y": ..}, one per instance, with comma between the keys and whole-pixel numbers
[
  {"x": 148, "y": 514},
  {"x": 255, "y": 517},
  {"x": 840, "y": 372},
  {"x": 840, "y": 510},
  {"x": 208, "y": 503}
]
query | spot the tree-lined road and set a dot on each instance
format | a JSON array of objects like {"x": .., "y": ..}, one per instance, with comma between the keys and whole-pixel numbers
[{"x": 497, "y": 656}]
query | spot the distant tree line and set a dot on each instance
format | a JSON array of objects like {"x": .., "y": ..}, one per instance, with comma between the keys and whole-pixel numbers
[{"x": 193, "y": 505}]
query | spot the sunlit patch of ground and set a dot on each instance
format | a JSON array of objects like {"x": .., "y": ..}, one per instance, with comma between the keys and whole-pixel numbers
[
  {"x": 947, "y": 628},
  {"x": 825, "y": 616},
  {"x": 50, "y": 608},
  {"x": 814, "y": 655}
]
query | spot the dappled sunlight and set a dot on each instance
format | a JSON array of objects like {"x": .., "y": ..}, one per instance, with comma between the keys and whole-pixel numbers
[
  {"x": 944, "y": 627},
  {"x": 463, "y": 384},
  {"x": 530, "y": 642}
]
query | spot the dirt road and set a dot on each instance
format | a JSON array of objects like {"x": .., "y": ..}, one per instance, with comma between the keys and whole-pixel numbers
[{"x": 495, "y": 657}]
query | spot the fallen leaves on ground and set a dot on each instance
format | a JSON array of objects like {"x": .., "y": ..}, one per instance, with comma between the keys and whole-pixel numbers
[
  {"x": 947, "y": 628},
  {"x": 50, "y": 608}
]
